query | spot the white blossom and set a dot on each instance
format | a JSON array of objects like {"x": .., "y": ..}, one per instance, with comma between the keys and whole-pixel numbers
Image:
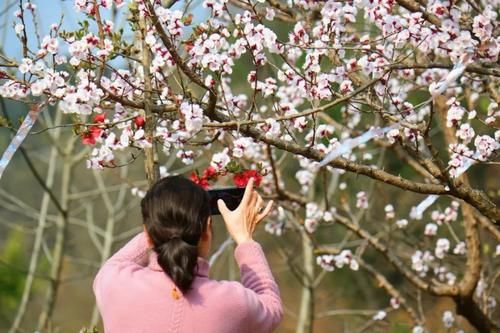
[
  {"x": 26, "y": 65},
  {"x": 442, "y": 247},
  {"x": 50, "y": 44},
  {"x": 389, "y": 211},
  {"x": 417, "y": 329},
  {"x": 380, "y": 315},
  {"x": 448, "y": 319},
  {"x": 455, "y": 114},
  {"x": 465, "y": 132},
  {"x": 421, "y": 262},
  {"x": 460, "y": 248},
  {"x": 395, "y": 304},
  {"x": 270, "y": 13},
  {"x": 19, "y": 28},
  {"x": 485, "y": 146},
  {"x": 362, "y": 200},
  {"x": 137, "y": 192},
  {"x": 313, "y": 217},
  {"x": 401, "y": 224},
  {"x": 220, "y": 160},
  {"x": 430, "y": 229},
  {"x": 193, "y": 116},
  {"x": 329, "y": 261}
]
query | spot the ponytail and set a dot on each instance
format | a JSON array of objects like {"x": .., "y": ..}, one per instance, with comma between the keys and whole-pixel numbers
[
  {"x": 178, "y": 259},
  {"x": 175, "y": 212}
]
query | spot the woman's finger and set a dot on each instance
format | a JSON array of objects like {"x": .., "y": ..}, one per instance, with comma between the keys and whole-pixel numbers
[
  {"x": 253, "y": 199},
  {"x": 266, "y": 211},
  {"x": 258, "y": 204},
  {"x": 248, "y": 193},
  {"x": 222, "y": 207}
]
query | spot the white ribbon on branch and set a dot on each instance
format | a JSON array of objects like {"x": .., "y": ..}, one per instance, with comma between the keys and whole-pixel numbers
[
  {"x": 349, "y": 144},
  {"x": 18, "y": 139}
]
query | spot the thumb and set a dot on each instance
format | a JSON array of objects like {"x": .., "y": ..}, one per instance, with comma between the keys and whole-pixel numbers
[{"x": 222, "y": 207}]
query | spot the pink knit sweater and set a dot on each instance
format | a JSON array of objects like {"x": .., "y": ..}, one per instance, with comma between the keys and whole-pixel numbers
[{"x": 134, "y": 295}]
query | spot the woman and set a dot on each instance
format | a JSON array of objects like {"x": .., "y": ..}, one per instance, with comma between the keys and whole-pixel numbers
[{"x": 168, "y": 289}]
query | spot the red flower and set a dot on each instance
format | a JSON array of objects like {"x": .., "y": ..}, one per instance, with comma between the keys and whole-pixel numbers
[
  {"x": 200, "y": 181},
  {"x": 100, "y": 118},
  {"x": 194, "y": 177},
  {"x": 241, "y": 179},
  {"x": 204, "y": 183},
  {"x": 139, "y": 121},
  {"x": 89, "y": 137},
  {"x": 95, "y": 131},
  {"x": 210, "y": 172}
]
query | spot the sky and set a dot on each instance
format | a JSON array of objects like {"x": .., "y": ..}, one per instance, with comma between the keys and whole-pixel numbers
[{"x": 49, "y": 12}]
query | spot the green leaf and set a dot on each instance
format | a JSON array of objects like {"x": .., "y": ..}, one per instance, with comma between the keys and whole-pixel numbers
[
  {"x": 4, "y": 122},
  {"x": 234, "y": 167}
]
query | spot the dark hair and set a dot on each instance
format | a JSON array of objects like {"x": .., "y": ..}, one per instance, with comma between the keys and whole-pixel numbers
[{"x": 175, "y": 211}]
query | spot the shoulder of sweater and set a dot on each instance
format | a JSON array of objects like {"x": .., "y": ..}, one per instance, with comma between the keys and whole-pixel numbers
[
  {"x": 111, "y": 273},
  {"x": 233, "y": 290},
  {"x": 227, "y": 295}
]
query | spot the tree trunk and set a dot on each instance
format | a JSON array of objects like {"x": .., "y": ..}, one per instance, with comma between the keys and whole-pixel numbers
[
  {"x": 306, "y": 312},
  {"x": 60, "y": 242},
  {"x": 42, "y": 224},
  {"x": 470, "y": 310},
  {"x": 151, "y": 158},
  {"x": 464, "y": 301}
]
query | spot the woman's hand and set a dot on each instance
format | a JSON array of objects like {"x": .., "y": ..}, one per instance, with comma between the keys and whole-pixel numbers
[{"x": 241, "y": 222}]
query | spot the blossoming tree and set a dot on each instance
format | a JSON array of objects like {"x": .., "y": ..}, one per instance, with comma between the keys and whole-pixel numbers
[{"x": 318, "y": 99}]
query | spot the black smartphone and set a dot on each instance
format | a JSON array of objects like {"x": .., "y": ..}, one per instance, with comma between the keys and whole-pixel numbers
[{"x": 231, "y": 195}]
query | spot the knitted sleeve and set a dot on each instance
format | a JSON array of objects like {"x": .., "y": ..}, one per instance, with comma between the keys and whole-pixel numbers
[{"x": 261, "y": 298}]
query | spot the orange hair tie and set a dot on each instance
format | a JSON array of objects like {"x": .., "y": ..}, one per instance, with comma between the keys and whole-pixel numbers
[{"x": 176, "y": 294}]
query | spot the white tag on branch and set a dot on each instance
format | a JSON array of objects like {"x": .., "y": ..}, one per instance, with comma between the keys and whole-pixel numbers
[
  {"x": 417, "y": 212},
  {"x": 438, "y": 88},
  {"x": 349, "y": 144}
]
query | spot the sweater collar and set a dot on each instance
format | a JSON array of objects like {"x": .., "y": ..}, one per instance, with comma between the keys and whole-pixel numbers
[{"x": 201, "y": 269}]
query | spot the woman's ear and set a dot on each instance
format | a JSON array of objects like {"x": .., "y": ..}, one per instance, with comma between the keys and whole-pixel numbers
[
  {"x": 205, "y": 242},
  {"x": 148, "y": 239},
  {"x": 207, "y": 233}
]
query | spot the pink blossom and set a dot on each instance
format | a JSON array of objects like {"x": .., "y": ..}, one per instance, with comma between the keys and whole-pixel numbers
[
  {"x": 442, "y": 247},
  {"x": 482, "y": 27},
  {"x": 430, "y": 229},
  {"x": 220, "y": 160},
  {"x": 465, "y": 133},
  {"x": 455, "y": 114},
  {"x": 389, "y": 212},
  {"x": 485, "y": 146},
  {"x": 362, "y": 200},
  {"x": 19, "y": 28}
]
